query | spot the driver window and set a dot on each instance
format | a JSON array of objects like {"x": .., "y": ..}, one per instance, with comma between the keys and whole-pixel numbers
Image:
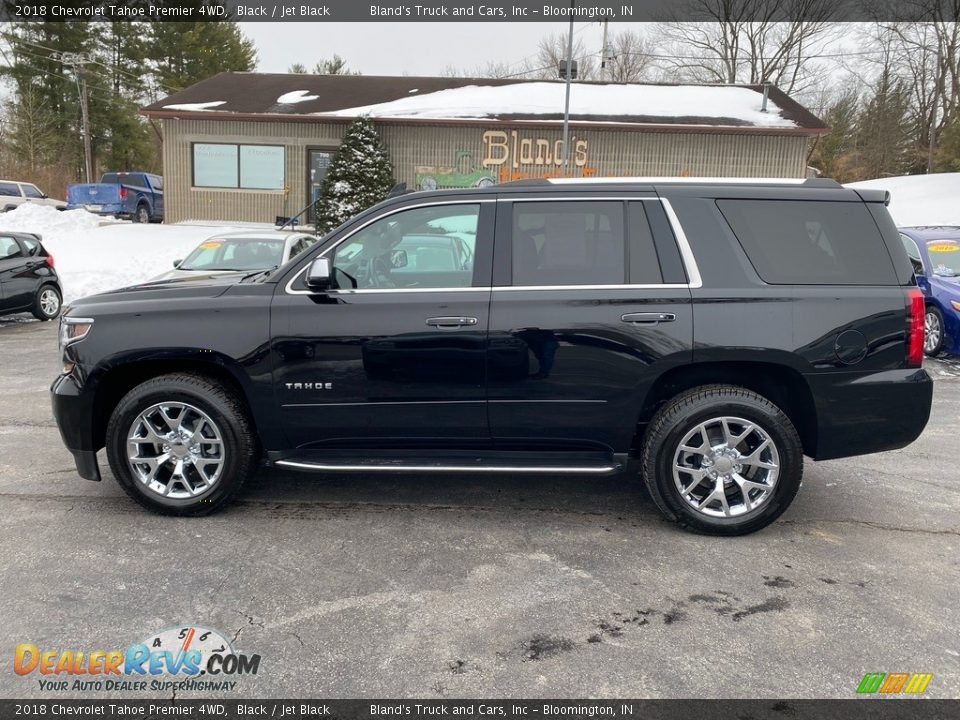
[{"x": 426, "y": 247}]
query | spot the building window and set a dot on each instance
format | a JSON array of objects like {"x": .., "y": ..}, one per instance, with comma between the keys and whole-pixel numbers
[{"x": 248, "y": 167}]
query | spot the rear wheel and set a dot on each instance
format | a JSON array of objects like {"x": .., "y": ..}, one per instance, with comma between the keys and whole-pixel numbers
[
  {"x": 142, "y": 214},
  {"x": 181, "y": 445},
  {"x": 932, "y": 331},
  {"x": 722, "y": 460},
  {"x": 47, "y": 303}
]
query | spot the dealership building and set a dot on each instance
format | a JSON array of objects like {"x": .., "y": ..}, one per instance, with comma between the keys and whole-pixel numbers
[{"x": 252, "y": 146}]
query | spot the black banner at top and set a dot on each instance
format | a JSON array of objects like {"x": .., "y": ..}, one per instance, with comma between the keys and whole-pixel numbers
[{"x": 477, "y": 11}]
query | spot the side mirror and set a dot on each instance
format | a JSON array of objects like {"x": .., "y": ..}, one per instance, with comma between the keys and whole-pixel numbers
[
  {"x": 320, "y": 274},
  {"x": 176, "y": 263},
  {"x": 44, "y": 196},
  {"x": 398, "y": 259}
]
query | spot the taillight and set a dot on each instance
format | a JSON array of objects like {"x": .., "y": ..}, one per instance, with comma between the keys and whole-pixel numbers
[
  {"x": 915, "y": 328},
  {"x": 49, "y": 259},
  {"x": 123, "y": 193}
]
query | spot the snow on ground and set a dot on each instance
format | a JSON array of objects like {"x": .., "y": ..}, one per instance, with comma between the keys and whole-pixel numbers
[
  {"x": 547, "y": 98},
  {"x": 92, "y": 258},
  {"x": 920, "y": 199}
]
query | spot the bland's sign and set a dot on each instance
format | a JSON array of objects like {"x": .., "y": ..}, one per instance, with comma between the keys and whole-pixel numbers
[{"x": 540, "y": 157}]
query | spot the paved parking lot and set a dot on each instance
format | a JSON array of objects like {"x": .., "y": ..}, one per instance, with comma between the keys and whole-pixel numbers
[{"x": 484, "y": 586}]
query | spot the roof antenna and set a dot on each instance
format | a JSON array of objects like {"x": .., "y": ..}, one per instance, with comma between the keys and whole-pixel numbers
[{"x": 398, "y": 189}]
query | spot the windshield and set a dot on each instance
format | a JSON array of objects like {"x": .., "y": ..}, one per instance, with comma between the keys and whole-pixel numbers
[
  {"x": 944, "y": 257},
  {"x": 235, "y": 254}
]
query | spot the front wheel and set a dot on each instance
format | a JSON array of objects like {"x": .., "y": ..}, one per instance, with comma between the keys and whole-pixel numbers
[
  {"x": 932, "y": 331},
  {"x": 181, "y": 445},
  {"x": 47, "y": 303},
  {"x": 722, "y": 460}
]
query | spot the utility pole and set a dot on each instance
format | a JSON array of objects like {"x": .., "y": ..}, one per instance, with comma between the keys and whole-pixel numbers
[
  {"x": 604, "y": 50},
  {"x": 77, "y": 61},
  {"x": 566, "y": 105}
]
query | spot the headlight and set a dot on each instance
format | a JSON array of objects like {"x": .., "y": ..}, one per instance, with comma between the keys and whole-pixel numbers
[
  {"x": 956, "y": 305},
  {"x": 73, "y": 329}
]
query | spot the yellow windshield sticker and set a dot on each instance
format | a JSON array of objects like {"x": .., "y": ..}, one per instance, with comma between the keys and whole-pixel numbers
[{"x": 210, "y": 244}]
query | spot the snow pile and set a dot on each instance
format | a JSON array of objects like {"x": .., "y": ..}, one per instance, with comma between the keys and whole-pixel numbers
[
  {"x": 92, "y": 259},
  {"x": 920, "y": 199},
  {"x": 738, "y": 104},
  {"x": 296, "y": 96},
  {"x": 196, "y": 106}
]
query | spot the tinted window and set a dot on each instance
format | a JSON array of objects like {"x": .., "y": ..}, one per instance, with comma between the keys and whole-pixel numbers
[
  {"x": 31, "y": 191},
  {"x": 568, "y": 243},
  {"x": 806, "y": 242},
  {"x": 418, "y": 248},
  {"x": 8, "y": 247},
  {"x": 643, "y": 263},
  {"x": 9, "y": 189}
]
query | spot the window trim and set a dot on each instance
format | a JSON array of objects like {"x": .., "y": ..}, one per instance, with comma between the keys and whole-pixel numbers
[
  {"x": 683, "y": 244},
  {"x": 238, "y": 187}
]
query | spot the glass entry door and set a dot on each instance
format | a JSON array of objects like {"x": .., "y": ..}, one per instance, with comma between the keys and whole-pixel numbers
[{"x": 318, "y": 162}]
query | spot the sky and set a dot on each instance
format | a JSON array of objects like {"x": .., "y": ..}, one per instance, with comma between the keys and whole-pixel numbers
[{"x": 407, "y": 48}]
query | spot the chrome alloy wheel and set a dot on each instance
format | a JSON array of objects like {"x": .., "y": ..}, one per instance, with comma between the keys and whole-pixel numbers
[
  {"x": 175, "y": 450},
  {"x": 49, "y": 302},
  {"x": 726, "y": 466},
  {"x": 931, "y": 332}
]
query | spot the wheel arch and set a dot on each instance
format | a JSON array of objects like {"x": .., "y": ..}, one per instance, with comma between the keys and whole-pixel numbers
[
  {"x": 118, "y": 379},
  {"x": 781, "y": 384}
]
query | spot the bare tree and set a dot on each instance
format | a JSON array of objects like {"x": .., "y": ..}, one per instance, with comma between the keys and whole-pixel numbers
[
  {"x": 552, "y": 53},
  {"x": 751, "y": 41},
  {"x": 632, "y": 57}
]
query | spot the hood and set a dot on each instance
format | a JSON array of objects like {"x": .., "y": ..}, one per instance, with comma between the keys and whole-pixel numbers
[
  {"x": 950, "y": 285},
  {"x": 201, "y": 286}
]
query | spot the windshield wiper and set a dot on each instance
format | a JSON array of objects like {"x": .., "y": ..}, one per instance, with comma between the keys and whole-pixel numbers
[{"x": 257, "y": 273}]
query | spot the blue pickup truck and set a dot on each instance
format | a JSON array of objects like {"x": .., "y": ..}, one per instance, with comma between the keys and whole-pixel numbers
[{"x": 134, "y": 195}]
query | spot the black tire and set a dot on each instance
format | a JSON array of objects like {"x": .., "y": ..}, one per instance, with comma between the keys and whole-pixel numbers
[
  {"x": 240, "y": 447},
  {"x": 142, "y": 214},
  {"x": 933, "y": 315},
  {"x": 680, "y": 416},
  {"x": 42, "y": 308}
]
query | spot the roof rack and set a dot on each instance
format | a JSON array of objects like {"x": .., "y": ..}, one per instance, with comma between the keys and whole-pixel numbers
[{"x": 812, "y": 182}]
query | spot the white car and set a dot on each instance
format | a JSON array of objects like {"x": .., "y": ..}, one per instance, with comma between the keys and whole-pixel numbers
[
  {"x": 14, "y": 193},
  {"x": 244, "y": 252}
]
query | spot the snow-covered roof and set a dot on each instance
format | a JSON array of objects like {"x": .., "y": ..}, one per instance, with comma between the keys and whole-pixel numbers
[{"x": 331, "y": 98}]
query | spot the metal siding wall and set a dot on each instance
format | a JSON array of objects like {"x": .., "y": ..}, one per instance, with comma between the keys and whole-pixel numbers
[{"x": 611, "y": 151}]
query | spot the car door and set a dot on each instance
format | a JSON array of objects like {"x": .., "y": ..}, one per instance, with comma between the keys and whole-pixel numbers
[
  {"x": 17, "y": 280},
  {"x": 32, "y": 194},
  {"x": 395, "y": 353},
  {"x": 156, "y": 183},
  {"x": 591, "y": 303}
]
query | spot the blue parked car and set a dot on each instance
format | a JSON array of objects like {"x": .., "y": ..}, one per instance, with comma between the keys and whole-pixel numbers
[
  {"x": 137, "y": 196},
  {"x": 935, "y": 254}
]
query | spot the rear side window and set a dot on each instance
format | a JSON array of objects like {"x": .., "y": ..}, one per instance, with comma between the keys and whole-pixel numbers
[
  {"x": 568, "y": 243},
  {"x": 32, "y": 246},
  {"x": 810, "y": 242},
  {"x": 9, "y": 189}
]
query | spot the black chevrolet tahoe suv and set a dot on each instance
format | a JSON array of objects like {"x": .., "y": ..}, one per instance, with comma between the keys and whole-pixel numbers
[{"x": 707, "y": 333}]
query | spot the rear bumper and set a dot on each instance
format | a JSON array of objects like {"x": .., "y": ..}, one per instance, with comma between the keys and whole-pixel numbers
[
  {"x": 862, "y": 414},
  {"x": 73, "y": 411}
]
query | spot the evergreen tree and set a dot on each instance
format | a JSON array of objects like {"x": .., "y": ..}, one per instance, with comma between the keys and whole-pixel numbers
[
  {"x": 883, "y": 141},
  {"x": 360, "y": 175},
  {"x": 186, "y": 53}
]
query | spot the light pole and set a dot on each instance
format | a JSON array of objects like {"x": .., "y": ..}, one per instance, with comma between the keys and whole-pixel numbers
[{"x": 566, "y": 104}]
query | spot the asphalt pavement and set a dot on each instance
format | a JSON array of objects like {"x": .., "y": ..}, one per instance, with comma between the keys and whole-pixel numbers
[{"x": 409, "y": 586}]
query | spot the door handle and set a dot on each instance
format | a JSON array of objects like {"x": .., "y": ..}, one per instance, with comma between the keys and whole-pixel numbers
[
  {"x": 652, "y": 318},
  {"x": 451, "y": 322}
]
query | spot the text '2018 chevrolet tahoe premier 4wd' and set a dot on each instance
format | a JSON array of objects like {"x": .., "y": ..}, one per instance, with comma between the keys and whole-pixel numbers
[{"x": 715, "y": 331}]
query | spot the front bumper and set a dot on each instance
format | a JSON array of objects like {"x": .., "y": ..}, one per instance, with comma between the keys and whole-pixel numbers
[
  {"x": 73, "y": 411},
  {"x": 862, "y": 414}
]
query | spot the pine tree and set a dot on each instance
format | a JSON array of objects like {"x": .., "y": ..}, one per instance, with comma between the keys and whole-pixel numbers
[
  {"x": 360, "y": 175},
  {"x": 186, "y": 53}
]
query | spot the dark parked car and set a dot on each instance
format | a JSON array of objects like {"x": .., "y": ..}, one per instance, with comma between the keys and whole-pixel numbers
[
  {"x": 28, "y": 282},
  {"x": 713, "y": 332},
  {"x": 935, "y": 254}
]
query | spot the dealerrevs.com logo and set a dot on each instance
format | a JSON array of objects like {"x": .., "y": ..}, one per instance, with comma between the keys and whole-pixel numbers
[
  {"x": 894, "y": 683},
  {"x": 181, "y": 658}
]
